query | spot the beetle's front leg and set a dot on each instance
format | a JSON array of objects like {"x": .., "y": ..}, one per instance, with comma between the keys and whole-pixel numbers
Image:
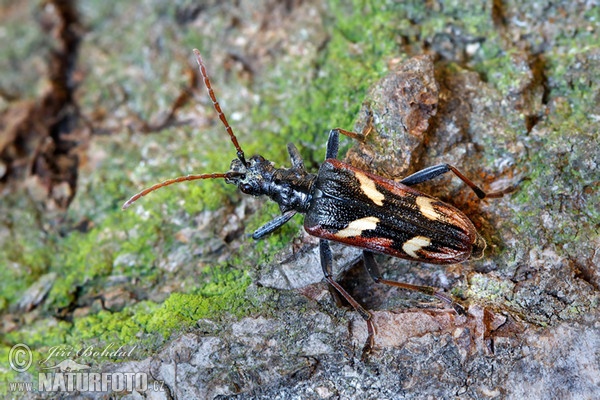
[
  {"x": 327, "y": 265},
  {"x": 273, "y": 225},
  {"x": 373, "y": 270}
]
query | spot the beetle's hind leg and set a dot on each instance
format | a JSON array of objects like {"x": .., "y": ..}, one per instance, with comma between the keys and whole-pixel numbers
[
  {"x": 327, "y": 265},
  {"x": 373, "y": 270},
  {"x": 334, "y": 140},
  {"x": 440, "y": 169},
  {"x": 366, "y": 131}
]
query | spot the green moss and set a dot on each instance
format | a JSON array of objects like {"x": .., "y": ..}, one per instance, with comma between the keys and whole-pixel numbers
[
  {"x": 356, "y": 55},
  {"x": 25, "y": 250},
  {"x": 83, "y": 257},
  {"x": 473, "y": 18},
  {"x": 7, "y": 374},
  {"x": 145, "y": 325},
  {"x": 41, "y": 333},
  {"x": 207, "y": 195},
  {"x": 501, "y": 72},
  {"x": 127, "y": 327},
  {"x": 561, "y": 178},
  {"x": 79, "y": 259},
  {"x": 181, "y": 311},
  {"x": 222, "y": 294}
]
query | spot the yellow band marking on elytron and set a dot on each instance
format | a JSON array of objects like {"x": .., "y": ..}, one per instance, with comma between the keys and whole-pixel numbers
[
  {"x": 426, "y": 208},
  {"x": 368, "y": 187},
  {"x": 415, "y": 244},
  {"x": 357, "y": 227}
]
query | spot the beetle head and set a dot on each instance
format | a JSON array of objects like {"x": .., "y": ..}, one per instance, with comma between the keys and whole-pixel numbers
[{"x": 253, "y": 177}]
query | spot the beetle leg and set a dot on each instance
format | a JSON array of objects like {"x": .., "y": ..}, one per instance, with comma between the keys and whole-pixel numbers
[
  {"x": 333, "y": 144},
  {"x": 373, "y": 270},
  {"x": 362, "y": 136},
  {"x": 437, "y": 170},
  {"x": 334, "y": 138},
  {"x": 327, "y": 265},
  {"x": 273, "y": 225},
  {"x": 295, "y": 157}
]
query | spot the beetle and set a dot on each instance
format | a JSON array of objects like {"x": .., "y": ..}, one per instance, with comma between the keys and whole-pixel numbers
[{"x": 345, "y": 204}]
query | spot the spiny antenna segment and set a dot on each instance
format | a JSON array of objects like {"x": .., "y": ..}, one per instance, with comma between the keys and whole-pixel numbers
[
  {"x": 172, "y": 181},
  {"x": 211, "y": 93}
]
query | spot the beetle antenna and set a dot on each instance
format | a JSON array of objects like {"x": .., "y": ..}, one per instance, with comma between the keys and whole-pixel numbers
[
  {"x": 211, "y": 93},
  {"x": 168, "y": 182}
]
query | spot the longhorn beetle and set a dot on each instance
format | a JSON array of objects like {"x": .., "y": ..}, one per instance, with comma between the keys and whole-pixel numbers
[{"x": 345, "y": 204}]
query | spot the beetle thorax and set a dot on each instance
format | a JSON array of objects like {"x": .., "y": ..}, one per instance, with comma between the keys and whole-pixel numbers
[{"x": 288, "y": 187}]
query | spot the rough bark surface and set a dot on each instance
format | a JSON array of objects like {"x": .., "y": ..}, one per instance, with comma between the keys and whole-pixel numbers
[{"x": 98, "y": 100}]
